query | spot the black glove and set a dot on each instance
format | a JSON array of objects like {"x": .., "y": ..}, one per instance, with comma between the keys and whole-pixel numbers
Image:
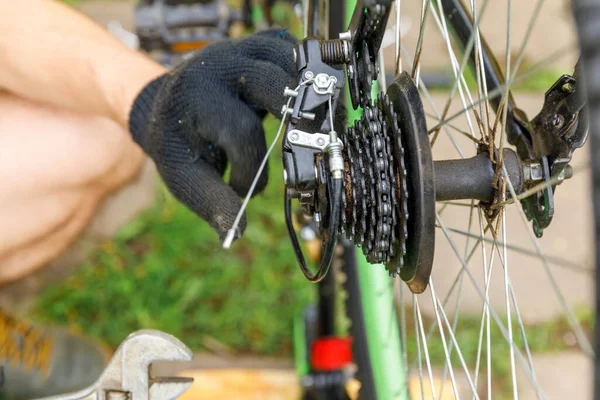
[{"x": 207, "y": 112}]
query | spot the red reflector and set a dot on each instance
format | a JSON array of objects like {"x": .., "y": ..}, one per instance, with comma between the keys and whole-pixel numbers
[{"x": 328, "y": 354}]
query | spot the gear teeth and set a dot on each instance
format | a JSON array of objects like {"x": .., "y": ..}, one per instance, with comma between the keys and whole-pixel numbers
[
  {"x": 385, "y": 104},
  {"x": 378, "y": 219}
]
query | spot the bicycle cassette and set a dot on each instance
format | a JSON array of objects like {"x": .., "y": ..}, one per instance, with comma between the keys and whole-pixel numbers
[{"x": 388, "y": 200}]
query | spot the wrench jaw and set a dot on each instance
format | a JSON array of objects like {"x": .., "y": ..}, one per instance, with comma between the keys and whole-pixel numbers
[
  {"x": 127, "y": 375},
  {"x": 169, "y": 388}
]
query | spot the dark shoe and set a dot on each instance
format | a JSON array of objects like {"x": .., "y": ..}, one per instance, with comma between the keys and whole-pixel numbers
[{"x": 40, "y": 362}]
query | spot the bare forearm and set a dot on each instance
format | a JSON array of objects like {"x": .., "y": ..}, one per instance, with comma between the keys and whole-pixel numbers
[{"x": 53, "y": 54}]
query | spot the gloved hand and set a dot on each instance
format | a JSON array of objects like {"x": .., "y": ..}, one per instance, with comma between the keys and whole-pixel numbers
[{"x": 208, "y": 111}]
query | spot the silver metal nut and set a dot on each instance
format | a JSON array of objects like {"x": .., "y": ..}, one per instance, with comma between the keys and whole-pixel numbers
[
  {"x": 346, "y": 35},
  {"x": 322, "y": 80},
  {"x": 294, "y": 137},
  {"x": 309, "y": 75}
]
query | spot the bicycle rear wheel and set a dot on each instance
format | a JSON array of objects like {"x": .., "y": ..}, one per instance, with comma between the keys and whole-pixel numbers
[{"x": 468, "y": 334}]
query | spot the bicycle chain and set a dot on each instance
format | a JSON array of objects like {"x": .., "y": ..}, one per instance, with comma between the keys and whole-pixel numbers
[{"x": 373, "y": 218}]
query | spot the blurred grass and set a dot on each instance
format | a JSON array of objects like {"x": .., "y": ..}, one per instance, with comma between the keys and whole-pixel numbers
[{"x": 166, "y": 270}]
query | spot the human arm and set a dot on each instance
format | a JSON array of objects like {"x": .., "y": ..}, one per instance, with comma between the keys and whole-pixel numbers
[{"x": 53, "y": 54}]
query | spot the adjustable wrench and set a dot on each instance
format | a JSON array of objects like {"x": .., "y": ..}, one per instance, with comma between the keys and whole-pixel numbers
[{"x": 127, "y": 376}]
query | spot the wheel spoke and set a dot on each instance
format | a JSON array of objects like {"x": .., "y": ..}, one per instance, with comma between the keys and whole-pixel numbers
[
  {"x": 573, "y": 321},
  {"x": 416, "y": 69},
  {"x": 418, "y": 340},
  {"x": 459, "y": 296},
  {"x": 508, "y": 309},
  {"x": 503, "y": 257},
  {"x": 557, "y": 261},
  {"x": 448, "y": 364},
  {"x": 398, "y": 64},
  {"x": 437, "y": 306},
  {"x": 466, "y": 55},
  {"x": 463, "y": 89},
  {"x": 500, "y": 89},
  {"x": 484, "y": 108},
  {"x": 402, "y": 305},
  {"x": 485, "y": 317},
  {"x": 456, "y": 129},
  {"x": 434, "y": 108},
  {"x": 493, "y": 312}
]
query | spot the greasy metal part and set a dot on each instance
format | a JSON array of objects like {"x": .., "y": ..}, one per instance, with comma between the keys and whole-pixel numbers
[
  {"x": 559, "y": 126},
  {"x": 127, "y": 375},
  {"x": 336, "y": 161},
  {"x": 420, "y": 244},
  {"x": 335, "y": 51},
  {"x": 473, "y": 178},
  {"x": 316, "y": 141},
  {"x": 373, "y": 181},
  {"x": 305, "y": 147},
  {"x": 367, "y": 28},
  {"x": 319, "y": 83},
  {"x": 329, "y": 234},
  {"x": 539, "y": 207},
  {"x": 559, "y": 129},
  {"x": 400, "y": 196}
]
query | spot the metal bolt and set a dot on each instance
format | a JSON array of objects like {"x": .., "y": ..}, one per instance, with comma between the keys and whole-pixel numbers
[
  {"x": 307, "y": 115},
  {"x": 317, "y": 217},
  {"x": 568, "y": 87},
  {"x": 533, "y": 172},
  {"x": 557, "y": 121},
  {"x": 309, "y": 75},
  {"x": 117, "y": 395},
  {"x": 306, "y": 198},
  {"x": 322, "y": 80},
  {"x": 294, "y": 137},
  {"x": 346, "y": 35},
  {"x": 286, "y": 110},
  {"x": 289, "y": 92},
  {"x": 320, "y": 141}
]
